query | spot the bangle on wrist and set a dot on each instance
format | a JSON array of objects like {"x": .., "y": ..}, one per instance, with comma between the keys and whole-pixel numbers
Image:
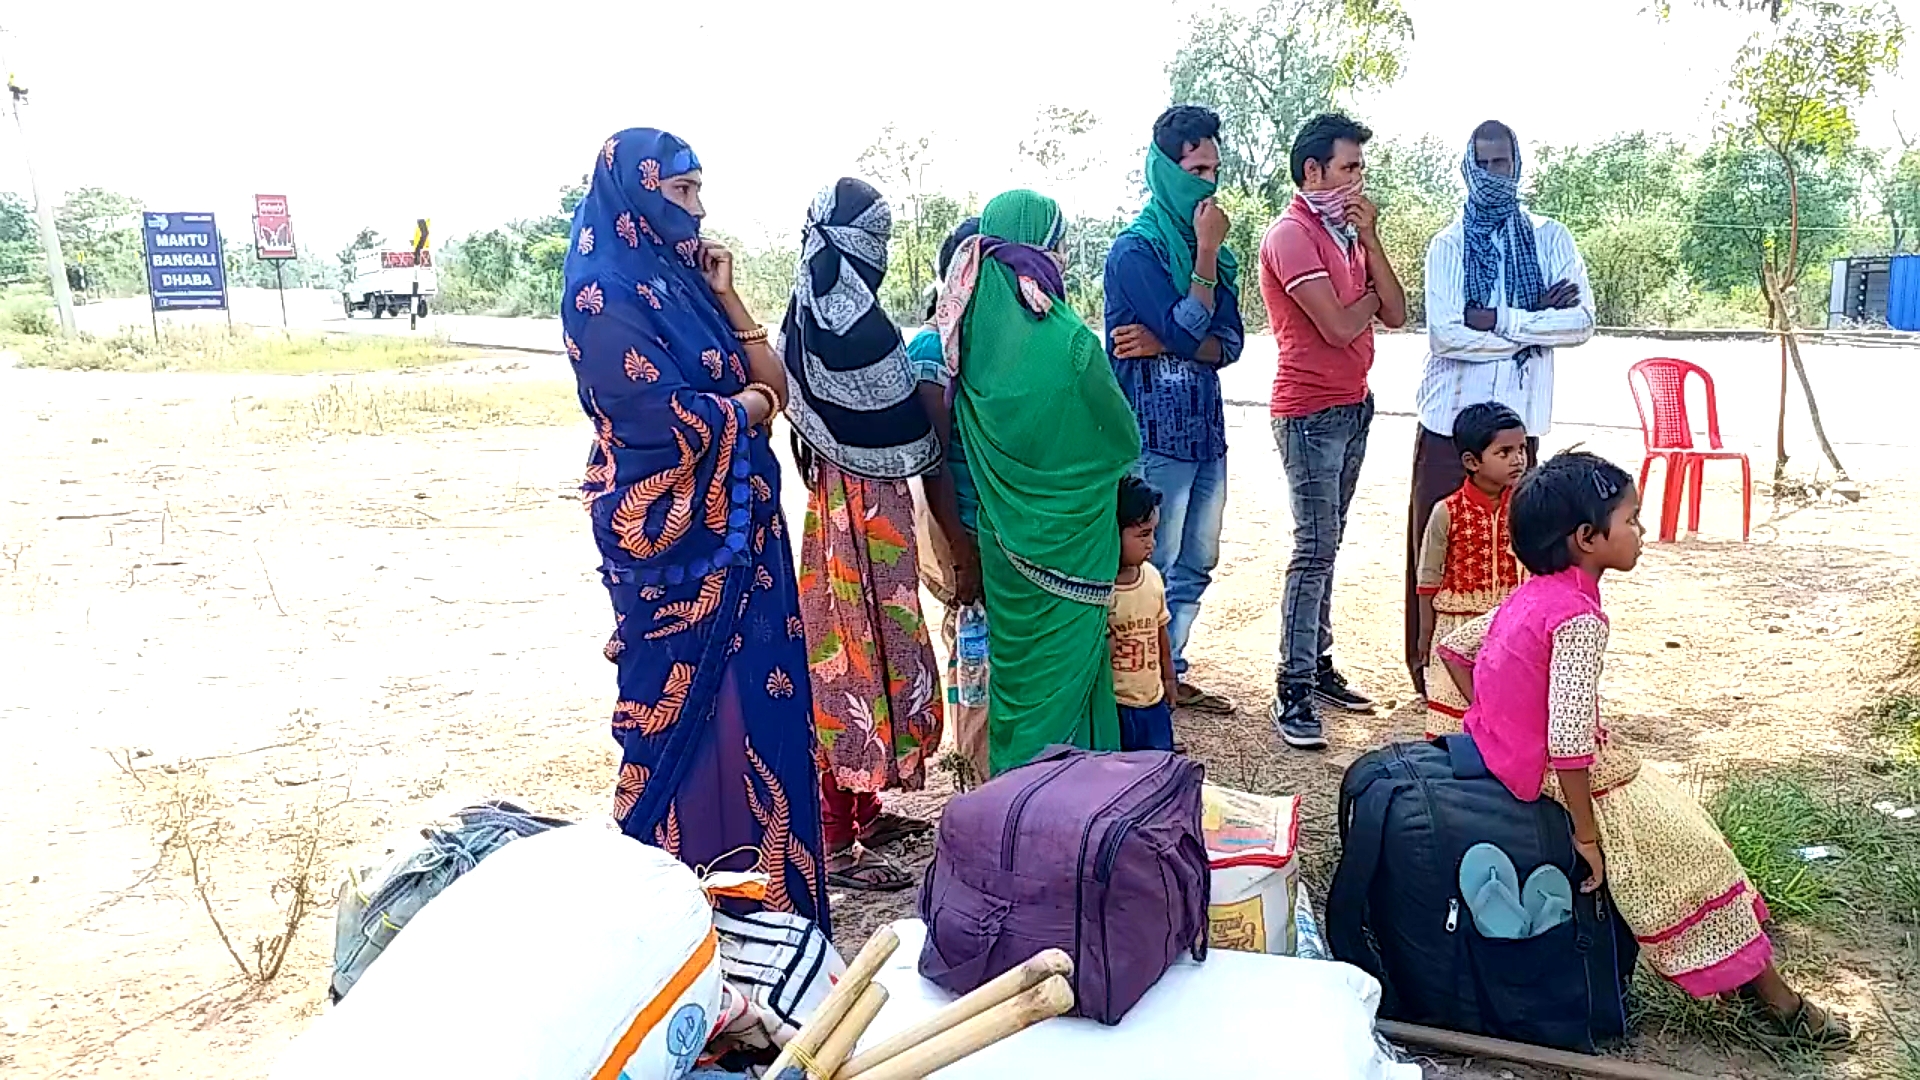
[
  {"x": 1204, "y": 282},
  {"x": 751, "y": 337},
  {"x": 765, "y": 391}
]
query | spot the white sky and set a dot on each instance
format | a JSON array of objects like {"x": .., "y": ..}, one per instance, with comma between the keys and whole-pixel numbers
[{"x": 473, "y": 114}]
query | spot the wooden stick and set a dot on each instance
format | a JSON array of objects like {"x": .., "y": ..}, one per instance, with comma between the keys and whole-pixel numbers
[
  {"x": 1045, "y": 1001},
  {"x": 833, "y": 1053},
  {"x": 806, "y": 1043},
  {"x": 1481, "y": 1046},
  {"x": 1026, "y": 976}
]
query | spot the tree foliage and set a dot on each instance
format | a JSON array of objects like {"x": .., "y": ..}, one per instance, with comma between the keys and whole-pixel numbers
[
  {"x": 1268, "y": 72},
  {"x": 20, "y": 258},
  {"x": 1793, "y": 91},
  {"x": 100, "y": 232}
]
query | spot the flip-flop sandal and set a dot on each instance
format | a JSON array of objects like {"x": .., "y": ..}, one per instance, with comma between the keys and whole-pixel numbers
[
  {"x": 891, "y": 828},
  {"x": 1188, "y": 696},
  {"x": 870, "y": 873},
  {"x": 1808, "y": 1025}
]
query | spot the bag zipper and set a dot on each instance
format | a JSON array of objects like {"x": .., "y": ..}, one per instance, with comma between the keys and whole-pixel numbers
[
  {"x": 1110, "y": 846},
  {"x": 1453, "y": 915},
  {"x": 1019, "y": 807}
]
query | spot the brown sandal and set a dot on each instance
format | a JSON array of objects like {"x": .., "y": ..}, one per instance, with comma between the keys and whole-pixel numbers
[
  {"x": 1808, "y": 1025},
  {"x": 867, "y": 873},
  {"x": 1189, "y": 696}
]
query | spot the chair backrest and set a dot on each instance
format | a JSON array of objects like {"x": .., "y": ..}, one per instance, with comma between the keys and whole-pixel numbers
[{"x": 1659, "y": 388}]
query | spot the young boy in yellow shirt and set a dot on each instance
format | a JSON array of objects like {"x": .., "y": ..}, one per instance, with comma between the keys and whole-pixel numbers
[{"x": 1143, "y": 678}]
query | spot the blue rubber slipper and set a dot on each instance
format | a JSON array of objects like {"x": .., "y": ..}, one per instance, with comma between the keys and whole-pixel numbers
[
  {"x": 1547, "y": 898},
  {"x": 1491, "y": 887}
]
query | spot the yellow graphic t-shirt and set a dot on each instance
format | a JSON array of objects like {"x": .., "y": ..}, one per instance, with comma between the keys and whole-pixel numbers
[{"x": 1133, "y": 625}]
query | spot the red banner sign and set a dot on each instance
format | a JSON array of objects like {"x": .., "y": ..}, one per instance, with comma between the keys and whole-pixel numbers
[
  {"x": 402, "y": 260},
  {"x": 272, "y": 228}
]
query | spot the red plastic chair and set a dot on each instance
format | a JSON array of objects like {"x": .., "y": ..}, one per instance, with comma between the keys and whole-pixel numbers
[{"x": 1659, "y": 388}]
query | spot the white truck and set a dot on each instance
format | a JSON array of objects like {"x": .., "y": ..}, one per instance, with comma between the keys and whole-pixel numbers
[{"x": 383, "y": 284}]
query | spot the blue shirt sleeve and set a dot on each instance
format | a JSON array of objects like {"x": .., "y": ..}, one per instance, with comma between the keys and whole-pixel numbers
[
  {"x": 1226, "y": 325},
  {"x": 1139, "y": 291}
]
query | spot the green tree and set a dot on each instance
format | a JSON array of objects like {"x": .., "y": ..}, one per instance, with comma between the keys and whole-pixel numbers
[
  {"x": 1620, "y": 199},
  {"x": 20, "y": 258},
  {"x": 1899, "y": 192},
  {"x": 100, "y": 231},
  {"x": 1793, "y": 91},
  {"x": 1267, "y": 72},
  {"x": 1738, "y": 232},
  {"x": 1418, "y": 189},
  {"x": 898, "y": 164}
]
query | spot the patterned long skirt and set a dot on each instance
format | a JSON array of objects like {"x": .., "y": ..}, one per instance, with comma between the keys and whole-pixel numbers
[
  {"x": 1674, "y": 880},
  {"x": 1446, "y": 706},
  {"x": 876, "y": 689}
]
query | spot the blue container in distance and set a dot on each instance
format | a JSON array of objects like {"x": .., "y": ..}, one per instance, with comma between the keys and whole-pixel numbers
[{"x": 1903, "y": 292}]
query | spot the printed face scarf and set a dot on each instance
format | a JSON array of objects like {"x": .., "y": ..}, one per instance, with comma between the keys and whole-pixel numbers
[
  {"x": 1496, "y": 220},
  {"x": 852, "y": 396},
  {"x": 1166, "y": 222},
  {"x": 1331, "y": 205}
]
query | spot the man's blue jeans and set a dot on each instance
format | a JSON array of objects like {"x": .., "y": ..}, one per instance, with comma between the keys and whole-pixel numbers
[
  {"x": 1322, "y": 453},
  {"x": 1193, "y": 504}
]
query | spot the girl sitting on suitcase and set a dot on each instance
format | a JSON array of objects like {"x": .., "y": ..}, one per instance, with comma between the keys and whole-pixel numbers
[{"x": 1530, "y": 670}]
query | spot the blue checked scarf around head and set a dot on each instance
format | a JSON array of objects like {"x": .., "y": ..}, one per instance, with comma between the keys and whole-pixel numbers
[{"x": 1496, "y": 220}]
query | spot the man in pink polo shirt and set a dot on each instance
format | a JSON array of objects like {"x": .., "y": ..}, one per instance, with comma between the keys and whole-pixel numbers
[{"x": 1325, "y": 279}]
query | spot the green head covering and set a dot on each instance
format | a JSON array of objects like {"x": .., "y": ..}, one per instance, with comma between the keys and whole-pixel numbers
[
  {"x": 1048, "y": 436},
  {"x": 1167, "y": 220}
]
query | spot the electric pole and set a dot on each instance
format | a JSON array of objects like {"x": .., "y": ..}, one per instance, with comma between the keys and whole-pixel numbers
[{"x": 43, "y": 213}]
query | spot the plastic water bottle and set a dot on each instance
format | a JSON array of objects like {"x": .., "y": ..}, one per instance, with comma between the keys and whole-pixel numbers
[{"x": 971, "y": 647}]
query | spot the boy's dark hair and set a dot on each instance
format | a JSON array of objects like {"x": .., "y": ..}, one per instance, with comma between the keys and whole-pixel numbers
[
  {"x": 1138, "y": 500},
  {"x": 1183, "y": 126},
  {"x": 1478, "y": 425},
  {"x": 1572, "y": 489},
  {"x": 951, "y": 244},
  {"x": 1316, "y": 138}
]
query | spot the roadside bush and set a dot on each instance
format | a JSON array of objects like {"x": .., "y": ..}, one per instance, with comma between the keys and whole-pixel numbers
[{"x": 27, "y": 310}]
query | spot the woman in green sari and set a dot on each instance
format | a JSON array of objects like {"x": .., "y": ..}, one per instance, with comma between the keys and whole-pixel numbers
[{"x": 1048, "y": 436}]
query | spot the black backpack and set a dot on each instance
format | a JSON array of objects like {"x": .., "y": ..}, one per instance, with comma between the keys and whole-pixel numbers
[{"x": 1408, "y": 814}]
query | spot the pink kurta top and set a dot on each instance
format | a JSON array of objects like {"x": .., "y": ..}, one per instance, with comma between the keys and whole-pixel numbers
[{"x": 1536, "y": 675}]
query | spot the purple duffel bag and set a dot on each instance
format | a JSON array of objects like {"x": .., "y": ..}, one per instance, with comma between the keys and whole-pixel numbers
[{"x": 1098, "y": 854}]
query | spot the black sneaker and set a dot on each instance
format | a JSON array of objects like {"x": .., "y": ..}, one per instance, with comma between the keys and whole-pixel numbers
[
  {"x": 1294, "y": 719},
  {"x": 1331, "y": 688}
]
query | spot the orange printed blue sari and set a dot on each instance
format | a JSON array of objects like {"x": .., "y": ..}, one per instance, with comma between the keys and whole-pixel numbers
[{"x": 714, "y": 720}]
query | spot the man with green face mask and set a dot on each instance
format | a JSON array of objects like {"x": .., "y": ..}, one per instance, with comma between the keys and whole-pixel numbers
[{"x": 1173, "y": 321}]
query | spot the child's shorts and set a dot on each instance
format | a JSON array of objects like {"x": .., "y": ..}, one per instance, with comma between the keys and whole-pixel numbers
[{"x": 1148, "y": 728}]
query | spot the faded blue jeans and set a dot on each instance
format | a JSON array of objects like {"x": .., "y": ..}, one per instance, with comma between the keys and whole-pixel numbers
[
  {"x": 1186, "y": 548},
  {"x": 1322, "y": 453}
]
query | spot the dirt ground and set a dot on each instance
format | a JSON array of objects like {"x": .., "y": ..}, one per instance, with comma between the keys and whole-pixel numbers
[{"x": 351, "y": 636}]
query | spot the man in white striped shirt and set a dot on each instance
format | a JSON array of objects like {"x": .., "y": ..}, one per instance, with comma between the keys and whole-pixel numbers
[{"x": 1493, "y": 324}]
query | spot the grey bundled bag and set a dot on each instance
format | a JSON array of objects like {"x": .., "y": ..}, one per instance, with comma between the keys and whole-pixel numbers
[{"x": 376, "y": 904}]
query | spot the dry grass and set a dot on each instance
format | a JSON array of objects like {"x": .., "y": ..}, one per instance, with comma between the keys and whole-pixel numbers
[
  {"x": 346, "y": 409},
  {"x": 239, "y": 350}
]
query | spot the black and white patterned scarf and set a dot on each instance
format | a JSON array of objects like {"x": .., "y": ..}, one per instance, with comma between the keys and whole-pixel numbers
[
  {"x": 852, "y": 387},
  {"x": 1496, "y": 223}
]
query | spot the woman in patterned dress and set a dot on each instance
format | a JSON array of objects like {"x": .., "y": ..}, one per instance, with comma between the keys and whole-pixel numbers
[
  {"x": 1531, "y": 670},
  {"x": 714, "y": 720},
  {"x": 860, "y": 432}
]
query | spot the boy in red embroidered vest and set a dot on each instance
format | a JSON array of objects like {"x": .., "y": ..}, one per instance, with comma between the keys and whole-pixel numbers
[
  {"x": 1143, "y": 680},
  {"x": 1467, "y": 567}
]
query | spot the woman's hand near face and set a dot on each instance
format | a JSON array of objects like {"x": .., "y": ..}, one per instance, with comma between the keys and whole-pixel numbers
[{"x": 716, "y": 265}]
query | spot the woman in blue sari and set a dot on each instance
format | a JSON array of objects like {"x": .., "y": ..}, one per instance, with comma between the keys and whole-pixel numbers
[{"x": 715, "y": 715}]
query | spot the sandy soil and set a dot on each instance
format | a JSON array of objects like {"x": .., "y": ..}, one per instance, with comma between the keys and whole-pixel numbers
[{"x": 388, "y": 627}]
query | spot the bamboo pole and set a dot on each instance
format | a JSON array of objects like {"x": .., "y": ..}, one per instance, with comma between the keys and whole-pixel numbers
[{"x": 1481, "y": 1046}]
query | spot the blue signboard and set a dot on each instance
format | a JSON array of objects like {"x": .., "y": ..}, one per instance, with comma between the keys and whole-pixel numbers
[{"x": 184, "y": 264}]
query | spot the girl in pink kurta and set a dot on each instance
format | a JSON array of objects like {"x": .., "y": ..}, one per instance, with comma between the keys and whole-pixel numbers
[{"x": 1531, "y": 672}]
